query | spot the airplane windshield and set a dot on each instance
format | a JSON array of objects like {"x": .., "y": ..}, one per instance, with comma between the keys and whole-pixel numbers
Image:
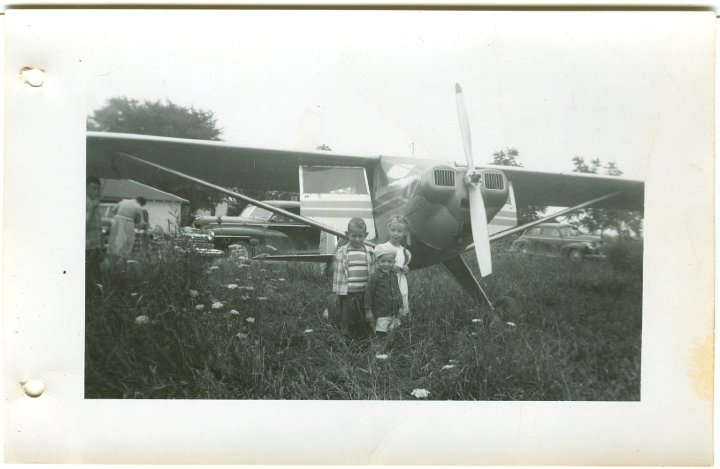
[
  {"x": 256, "y": 212},
  {"x": 327, "y": 180}
]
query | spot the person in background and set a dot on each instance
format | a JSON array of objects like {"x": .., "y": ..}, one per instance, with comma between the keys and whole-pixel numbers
[
  {"x": 351, "y": 270},
  {"x": 128, "y": 213},
  {"x": 93, "y": 233}
]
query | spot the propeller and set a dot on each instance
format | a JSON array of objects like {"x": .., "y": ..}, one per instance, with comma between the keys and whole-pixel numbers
[{"x": 473, "y": 180}]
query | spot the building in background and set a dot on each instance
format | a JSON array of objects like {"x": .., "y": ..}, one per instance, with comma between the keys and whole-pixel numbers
[{"x": 163, "y": 208}]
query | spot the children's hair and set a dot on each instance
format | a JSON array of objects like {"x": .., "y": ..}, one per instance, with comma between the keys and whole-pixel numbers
[
  {"x": 403, "y": 221},
  {"x": 357, "y": 224}
]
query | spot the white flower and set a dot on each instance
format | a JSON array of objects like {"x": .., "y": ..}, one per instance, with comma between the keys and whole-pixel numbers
[
  {"x": 217, "y": 305},
  {"x": 214, "y": 267},
  {"x": 232, "y": 311},
  {"x": 281, "y": 280},
  {"x": 194, "y": 293},
  {"x": 420, "y": 393},
  {"x": 510, "y": 324},
  {"x": 245, "y": 297},
  {"x": 381, "y": 356},
  {"x": 200, "y": 307},
  {"x": 453, "y": 361},
  {"x": 307, "y": 331},
  {"x": 232, "y": 286},
  {"x": 241, "y": 336},
  {"x": 249, "y": 288},
  {"x": 262, "y": 298},
  {"x": 250, "y": 320},
  {"x": 133, "y": 294},
  {"x": 142, "y": 320},
  {"x": 477, "y": 320},
  {"x": 448, "y": 367}
]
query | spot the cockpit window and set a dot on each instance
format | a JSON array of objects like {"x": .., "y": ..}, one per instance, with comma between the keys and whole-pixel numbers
[{"x": 332, "y": 180}]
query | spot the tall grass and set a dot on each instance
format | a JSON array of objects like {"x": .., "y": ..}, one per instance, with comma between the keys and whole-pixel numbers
[{"x": 567, "y": 332}]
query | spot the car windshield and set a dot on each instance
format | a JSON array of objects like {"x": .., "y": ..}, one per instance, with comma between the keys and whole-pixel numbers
[
  {"x": 569, "y": 231},
  {"x": 256, "y": 212}
]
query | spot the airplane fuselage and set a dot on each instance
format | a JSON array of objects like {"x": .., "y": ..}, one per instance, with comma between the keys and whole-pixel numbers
[{"x": 433, "y": 196}]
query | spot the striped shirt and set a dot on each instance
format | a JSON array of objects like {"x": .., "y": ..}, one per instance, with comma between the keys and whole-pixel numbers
[
  {"x": 358, "y": 269},
  {"x": 341, "y": 269}
]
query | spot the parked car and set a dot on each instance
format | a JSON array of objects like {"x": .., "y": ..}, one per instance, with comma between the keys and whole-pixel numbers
[
  {"x": 261, "y": 231},
  {"x": 558, "y": 239}
]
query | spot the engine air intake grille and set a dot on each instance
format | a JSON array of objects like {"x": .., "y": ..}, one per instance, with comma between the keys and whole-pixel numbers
[
  {"x": 444, "y": 177},
  {"x": 493, "y": 181}
]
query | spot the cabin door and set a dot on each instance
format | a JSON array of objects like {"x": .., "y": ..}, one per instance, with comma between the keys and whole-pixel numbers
[{"x": 333, "y": 195}]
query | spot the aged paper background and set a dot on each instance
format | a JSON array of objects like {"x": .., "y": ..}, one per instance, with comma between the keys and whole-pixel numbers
[{"x": 44, "y": 318}]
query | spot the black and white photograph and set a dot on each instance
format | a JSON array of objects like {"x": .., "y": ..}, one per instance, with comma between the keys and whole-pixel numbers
[{"x": 442, "y": 208}]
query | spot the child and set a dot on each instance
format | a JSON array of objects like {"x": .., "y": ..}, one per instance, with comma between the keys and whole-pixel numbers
[
  {"x": 351, "y": 271},
  {"x": 383, "y": 300},
  {"x": 399, "y": 238}
]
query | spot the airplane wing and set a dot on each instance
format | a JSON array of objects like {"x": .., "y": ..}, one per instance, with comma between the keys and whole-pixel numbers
[
  {"x": 218, "y": 162},
  {"x": 571, "y": 189}
]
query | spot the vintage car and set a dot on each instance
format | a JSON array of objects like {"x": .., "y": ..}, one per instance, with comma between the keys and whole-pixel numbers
[
  {"x": 261, "y": 231},
  {"x": 558, "y": 239}
]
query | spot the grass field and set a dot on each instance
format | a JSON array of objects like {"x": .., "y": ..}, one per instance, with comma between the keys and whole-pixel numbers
[{"x": 568, "y": 332}]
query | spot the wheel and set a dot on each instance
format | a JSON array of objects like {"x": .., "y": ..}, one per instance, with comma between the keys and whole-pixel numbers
[
  {"x": 523, "y": 249},
  {"x": 576, "y": 255}
]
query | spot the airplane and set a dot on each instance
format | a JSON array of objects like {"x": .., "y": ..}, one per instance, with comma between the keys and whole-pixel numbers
[{"x": 449, "y": 206}]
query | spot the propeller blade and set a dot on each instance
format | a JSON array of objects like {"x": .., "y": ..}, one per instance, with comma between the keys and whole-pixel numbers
[
  {"x": 478, "y": 222},
  {"x": 478, "y": 217},
  {"x": 464, "y": 126}
]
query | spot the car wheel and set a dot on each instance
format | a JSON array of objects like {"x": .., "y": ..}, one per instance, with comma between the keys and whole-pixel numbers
[
  {"x": 576, "y": 255},
  {"x": 523, "y": 249}
]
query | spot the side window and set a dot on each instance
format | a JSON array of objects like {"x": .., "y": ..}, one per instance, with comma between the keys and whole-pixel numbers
[
  {"x": 534, "y": 231},
  {"x": 281, "y": 219},
  {"x": 551, "y": 232}
]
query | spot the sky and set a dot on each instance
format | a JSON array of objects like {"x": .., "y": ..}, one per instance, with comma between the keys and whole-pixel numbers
[{"x": 551, "y": 84}]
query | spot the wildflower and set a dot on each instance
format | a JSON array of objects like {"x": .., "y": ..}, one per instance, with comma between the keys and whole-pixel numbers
[
  {"x": 453, "y": 361},
  {"x": 232, "y": 311},
  {"x": 200, "y": 307},
  {"x": 232, "y": 286},
  {"x": 194, "y": 293},
  {"x": 281, "y": 280},
  {"x": 217, "y": 305},
  {"x": 262, "y": 298},
  {"x": 241, "y": 336},
  {"x": 448, "y": 367},
  {"x": 477, "y": 320},
  {"x": 420, "y": 393},
  {"x": 250, "y": 320},
  {"x": 133, "y": 294},
  {"x": 250, "y": 288},
  {"x": 381, "y": 356},
  {"x": 510, "y": 324},
  {"x": 142, "y": 320},
  {"x": 214, "y": 267},
  {"x": 307, "y": 331},
  {"x": 245, "y": 297}
]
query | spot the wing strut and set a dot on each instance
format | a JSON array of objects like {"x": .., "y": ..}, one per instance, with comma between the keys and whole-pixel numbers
[
  {"x": 242, "y": 197},
  {"x": 460, "y": 271},
  {"x": 552, "y": 216}
]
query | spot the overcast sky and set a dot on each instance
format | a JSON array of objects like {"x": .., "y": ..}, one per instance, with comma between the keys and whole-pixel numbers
[{"x": 553, "y": 85}]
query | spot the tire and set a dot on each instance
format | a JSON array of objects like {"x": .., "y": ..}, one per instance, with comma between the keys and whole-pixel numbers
[
  {"x": 523, "y": 249},
  {"x": 576, "y": 255}
]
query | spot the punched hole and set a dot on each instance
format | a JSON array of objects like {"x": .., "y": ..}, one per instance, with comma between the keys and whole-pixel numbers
[
  {"x": 33, "y": 76},
  {"x": 33, "y": 387}
]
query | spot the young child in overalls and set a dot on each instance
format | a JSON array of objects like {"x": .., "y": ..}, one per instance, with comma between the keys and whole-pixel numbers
[
  {"x": 383, "y": 299},
  {"x": 351, "y": 270},
  {"x": 399, "y": 234}
]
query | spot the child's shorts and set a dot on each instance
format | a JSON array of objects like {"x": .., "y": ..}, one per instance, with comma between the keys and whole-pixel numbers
[{"x": 386, "y": 323}]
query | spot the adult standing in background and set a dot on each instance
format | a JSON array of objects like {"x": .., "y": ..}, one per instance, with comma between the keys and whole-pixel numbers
[
  {"x": 128, "y": 213},
  {"x": 93, "y": 233}
]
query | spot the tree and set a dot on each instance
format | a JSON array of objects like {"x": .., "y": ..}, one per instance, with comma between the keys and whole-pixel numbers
[
  {"x": 625, "y": 222},
  {"x": 509, "y": 157},
  {"x": 167, "y": 120}
]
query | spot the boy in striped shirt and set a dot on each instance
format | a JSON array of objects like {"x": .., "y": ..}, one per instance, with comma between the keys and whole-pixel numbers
[{"x": 351, "y": 271}]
